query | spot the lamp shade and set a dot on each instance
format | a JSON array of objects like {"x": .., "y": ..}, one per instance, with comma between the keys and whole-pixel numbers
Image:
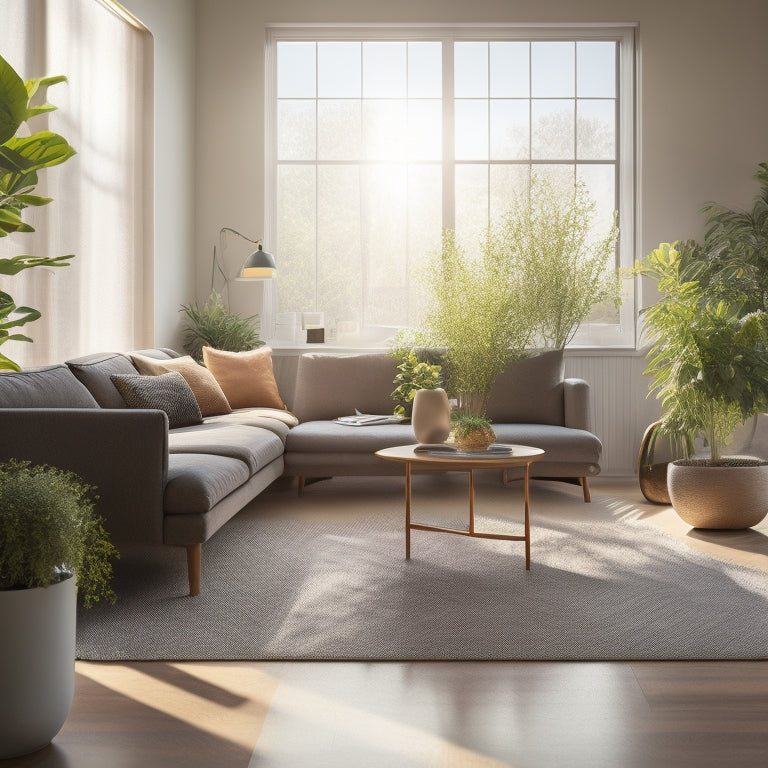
[{"x": 259, "y": 264}]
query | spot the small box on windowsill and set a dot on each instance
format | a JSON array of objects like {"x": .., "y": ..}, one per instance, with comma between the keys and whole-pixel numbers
[{"x": 315, "y": 335}]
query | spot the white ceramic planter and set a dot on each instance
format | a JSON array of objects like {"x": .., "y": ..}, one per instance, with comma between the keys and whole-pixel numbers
[
  {"x": 37, "y": 665},
  {"x": 719, "y": 497}
]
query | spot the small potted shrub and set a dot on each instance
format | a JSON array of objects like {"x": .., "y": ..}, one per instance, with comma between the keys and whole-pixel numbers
[
  {"x": 53, "y": 546},
  {"x": 471, "y": 432}
]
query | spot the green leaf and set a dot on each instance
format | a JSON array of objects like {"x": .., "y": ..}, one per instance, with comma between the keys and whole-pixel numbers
[
  {"x": 40, "y": 150},
  {"x": 13, "y": 101},
  {"x": 16, "y": 264},
  {"x": 21, "y": 316},
  {"x": 10, "y": 221}
]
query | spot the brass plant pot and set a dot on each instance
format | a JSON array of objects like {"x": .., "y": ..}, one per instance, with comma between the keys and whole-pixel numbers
[{"x": 655, "y": 454}]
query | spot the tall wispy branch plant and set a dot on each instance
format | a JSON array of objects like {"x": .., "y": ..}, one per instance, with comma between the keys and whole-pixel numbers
[{"x": 552, "y": 244}]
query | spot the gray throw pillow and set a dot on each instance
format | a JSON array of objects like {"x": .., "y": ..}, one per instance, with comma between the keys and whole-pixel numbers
[{"x": 168, "y": 392}]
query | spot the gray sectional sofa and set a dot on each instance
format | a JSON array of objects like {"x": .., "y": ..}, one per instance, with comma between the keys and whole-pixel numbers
[{"x": 178, "y": 485}]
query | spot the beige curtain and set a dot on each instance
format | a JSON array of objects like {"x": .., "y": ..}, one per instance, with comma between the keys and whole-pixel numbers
[{"x": 102, "y": 208}]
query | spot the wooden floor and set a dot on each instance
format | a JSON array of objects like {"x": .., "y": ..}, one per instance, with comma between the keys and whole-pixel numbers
[{"x": 527, "y": 714}]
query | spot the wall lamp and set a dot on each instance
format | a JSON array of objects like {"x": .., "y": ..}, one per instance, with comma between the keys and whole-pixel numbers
[{"x": 260, "y": 265}]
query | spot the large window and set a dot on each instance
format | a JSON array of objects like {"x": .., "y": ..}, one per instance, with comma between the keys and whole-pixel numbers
[{"x": 379, "y": 138}]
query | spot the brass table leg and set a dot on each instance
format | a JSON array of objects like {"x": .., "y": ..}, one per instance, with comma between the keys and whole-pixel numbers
[
  {"x": 527, "y": 522},
  {"x": 407, "y": 510}
]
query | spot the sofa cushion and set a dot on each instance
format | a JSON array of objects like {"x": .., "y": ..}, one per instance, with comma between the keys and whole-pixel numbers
[
  {"x": 197, "y": 482},
  {"x": 52, "y": 386},
  {"x": 208, "y": 393},
  {"x": 329, "y": 386},
  {"x": 274, "y": 420},
  {"x": 247, "y": 378},
  {"x": 168, "y": 392},
  {"x": 560, "y": 444},
  {"x": 94, "y": 371},
  {"x": 530, "y": 391},
  {"x": 331, "y": 437},
  {"x": 253, "y": 446}
]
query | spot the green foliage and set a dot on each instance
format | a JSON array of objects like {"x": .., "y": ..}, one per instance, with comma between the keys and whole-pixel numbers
[
  {"x": 413, "y": 374},
  {"x": 733, "y": 260},
  {"x": 548, "y": 238},
  {"x": 21, "y": 157},
  {"x": 49, "y": 527},
  {"x": 213, "y": 325},
  {"x": 708, "y": 359},
  {"x": 465, "y": 424},
  {"x": 476, "y": 314}
]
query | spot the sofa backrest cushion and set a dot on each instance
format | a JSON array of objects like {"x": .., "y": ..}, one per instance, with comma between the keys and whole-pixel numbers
[
  {"x": 52, "y": 386},
  {"x": 94, "y": 372},
  {"x": 530, "y": 391},
  {"x": 329, "y": 386}
]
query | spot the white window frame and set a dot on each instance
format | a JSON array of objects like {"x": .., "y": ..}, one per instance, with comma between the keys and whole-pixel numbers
[{"x": 602, "y": 335}]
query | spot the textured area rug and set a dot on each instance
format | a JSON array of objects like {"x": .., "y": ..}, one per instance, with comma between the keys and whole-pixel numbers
[{"x": 324, "y": 577}]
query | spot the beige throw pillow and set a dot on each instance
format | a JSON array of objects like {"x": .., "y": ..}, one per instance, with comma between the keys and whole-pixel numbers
[
  {"x": 247, "y": 378},
  {"x": 208, "y": 393}
]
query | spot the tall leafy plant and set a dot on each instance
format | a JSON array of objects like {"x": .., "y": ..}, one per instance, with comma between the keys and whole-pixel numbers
[
  {"x": 21, "y": 157},
  {"x": 707, "y": 357}
]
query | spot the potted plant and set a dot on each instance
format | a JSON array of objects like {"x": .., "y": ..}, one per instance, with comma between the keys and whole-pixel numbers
[
  {"x": 53, "y": 546},
  {"x": 21, "y": 157},
  {"x": 471, "y": 432},
  {"x": 709, "y": 368},
  {"x": 213, "y": 325}
]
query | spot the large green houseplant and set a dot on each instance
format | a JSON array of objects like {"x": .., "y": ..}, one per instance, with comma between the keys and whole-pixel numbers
[
  {"x": 53, "y": 546},
  {"x": 21, "y": 157},
  {"x": 709, "y": 368}
]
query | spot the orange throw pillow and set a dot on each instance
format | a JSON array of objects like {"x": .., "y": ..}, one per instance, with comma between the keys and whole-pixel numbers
[{"x": 247, "y": 378}]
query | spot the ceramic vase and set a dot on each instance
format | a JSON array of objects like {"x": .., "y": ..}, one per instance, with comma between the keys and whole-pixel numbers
[{"x": 431, "y": 417}]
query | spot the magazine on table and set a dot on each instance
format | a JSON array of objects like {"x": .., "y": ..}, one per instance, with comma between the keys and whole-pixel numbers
[{"x": 451, "y": 451}]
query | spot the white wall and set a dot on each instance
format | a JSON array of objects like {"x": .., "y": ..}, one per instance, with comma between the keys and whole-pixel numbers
[{"x": 172, "y": 24}]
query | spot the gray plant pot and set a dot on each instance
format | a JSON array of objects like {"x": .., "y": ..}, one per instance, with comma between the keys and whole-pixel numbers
[
  {"x": 719, "y": 497},
  {"x": 37, "y": 665}
]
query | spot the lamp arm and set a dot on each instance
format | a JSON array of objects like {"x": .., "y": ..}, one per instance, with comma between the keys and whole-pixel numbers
[{"x": 240, "y": 234}]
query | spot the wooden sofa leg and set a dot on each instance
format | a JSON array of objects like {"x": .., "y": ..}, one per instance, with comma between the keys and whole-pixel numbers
[
  {"x": 585, "y": 488},
  {"x": 194, "y": 567},
  {"x": 301, "y": 485}
]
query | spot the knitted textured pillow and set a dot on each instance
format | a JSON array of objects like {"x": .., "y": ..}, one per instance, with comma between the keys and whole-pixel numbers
[{"x": 167, "y": 392}]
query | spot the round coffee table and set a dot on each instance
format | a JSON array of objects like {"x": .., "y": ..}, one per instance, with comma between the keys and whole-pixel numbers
[{"x": 443, "y": 459}]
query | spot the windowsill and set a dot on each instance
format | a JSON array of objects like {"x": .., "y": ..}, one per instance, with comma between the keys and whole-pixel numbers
[{"x": 282, "y": 348}]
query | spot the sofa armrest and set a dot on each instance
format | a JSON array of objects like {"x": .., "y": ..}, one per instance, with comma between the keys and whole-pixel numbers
[
  {"x": 123, "y": 452},
  {"x": 577, "y": 396}
]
